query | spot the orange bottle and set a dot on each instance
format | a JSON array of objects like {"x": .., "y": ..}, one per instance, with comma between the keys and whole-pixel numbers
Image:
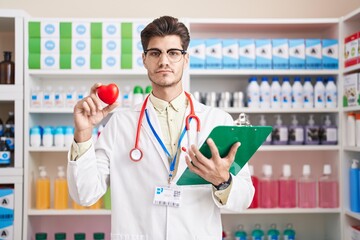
[
  {"x": 61, "y": 194},
  {"x": 77, "y": 206},
  {"x": 42, "y": 190}
]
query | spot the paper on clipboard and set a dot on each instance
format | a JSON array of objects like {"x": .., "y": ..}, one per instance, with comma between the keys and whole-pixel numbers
[{"x": 250, "y": 137}]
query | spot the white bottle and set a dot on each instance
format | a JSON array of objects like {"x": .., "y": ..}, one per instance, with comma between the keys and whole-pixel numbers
[
  {"x": 308, "y": 93},
  {"x": 70, "y": 97},
  {"x": 35, "y": 137},
  {"x": 280, "y": 132},
  {"x": 36, "y": 97},
  {"x": 48, "y": 97},
  {"x": 350, "y": 129},
  {"x": 59, "y": 138},
  {"x": 48, "y": 137},
  {"x": 296, "y": 132},
  {"x": 253, "y": 93},
  {"x": 329, "y": 135},
  {"x": 330, "y": 93},
  {"x": 275, "y": 93},
  {"x": 69, "y": 136},
  {"x": 126, "y": 97},
  {"x": 297, "y": 94},
  {"x": 59, "y": 96},
  {"x": 286, "y": 93},
  {"x": 262, "y": 122},
  {"x": 265, "y": 93},
  {"x": 82, "y": 93},
  {"x": 138, "y": 95},
  {"x": 319, "y": 93}
]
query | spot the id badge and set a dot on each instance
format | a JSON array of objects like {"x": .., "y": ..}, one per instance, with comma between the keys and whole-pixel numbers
[{"x": 167, "y": 196}]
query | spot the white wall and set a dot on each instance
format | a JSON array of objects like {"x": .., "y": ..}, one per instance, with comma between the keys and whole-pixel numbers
[{"x": 184, "y": 8}]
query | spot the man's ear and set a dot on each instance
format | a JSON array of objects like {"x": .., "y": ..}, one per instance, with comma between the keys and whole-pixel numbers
[{"x": 143, "y": 59}]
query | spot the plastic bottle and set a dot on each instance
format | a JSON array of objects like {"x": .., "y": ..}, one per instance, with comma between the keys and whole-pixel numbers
[
  {"x": 253, "y": 93},
  {"x": 59, "y": 138},
  {"x": 35, "y": 137},
  {"x": 68, "y": 136},
  {"x": 286, "y": 93},
  {"x": 350, "y": 129},
  {"x": 5, "y": 153},
  {"x": 79, "y": 236},
  {"x": 289, "y": 232},
  {"x": 273, "y": 233},
  {"x": 94, "y": 134},
  {"x": 99, "y": 236},
  {"x": 9, "y": 134},
  {"x": 257, "y": 233},
  {"x": 262, "y": 122},
  {"x": 59, "y": 97},
  {"x": 280, "y": 132},
  {"x": 297, "y": 99},
  {"x": 308, "y": 93},
  {"x": 240, "y": 234},
  {"x": 11, "y": 122},
  {"x": 287, "y": 188},
  {"x": 97, "y": 205},
  {"x": 61, "y": 190},
  {"x": 265, "y": 98},
  {"x": 319, "y": 93},
  {"x": 1, "y": 127},
  {"x": 82, "y": 93},
  {"x": 328, "y": 133},
  {"x": 275, "y": 93},
  {"x": 296, "y": 132},
  {"x": 126, "y": 97},
  {"x": 328, "y": 189},
  {"x": 77, "y": 206},
  {"x": 312, "y": 136},
  {"x": 107, "y": 199},
  {"x": 48, "y": 97},
  {"x": 354, "y": 174},
  {"x": 60, "y": 236},
  {"x": 36, "y": 97},
  {"x": 306, "y": 189},
  {"x": 138, "y": 95},
  {"x": 48, "y": 137},
  {"x": 41, "y": 236},
  {"x": 255, "y": 181},
  {"x": 148, "y": 90},
  {"x": 331, "y": 93},
  {"x": 268, "y": 188},
  {"x": 70, "y": 97},
  {"x": 7, "y": 69},
  {"x": 42, "y": 190}
]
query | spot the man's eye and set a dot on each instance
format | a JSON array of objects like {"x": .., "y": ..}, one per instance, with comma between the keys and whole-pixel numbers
[
  {"x": 173, "y": 53},
  {"x": 154, "y": 53}
]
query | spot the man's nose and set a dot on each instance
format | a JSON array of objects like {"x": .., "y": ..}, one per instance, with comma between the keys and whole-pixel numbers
[{"x": 164, "y": 60}]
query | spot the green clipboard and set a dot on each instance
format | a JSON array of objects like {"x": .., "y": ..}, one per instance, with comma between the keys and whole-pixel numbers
[{"x": 250, "y": 137}]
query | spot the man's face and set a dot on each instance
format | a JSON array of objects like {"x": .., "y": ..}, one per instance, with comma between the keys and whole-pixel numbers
[{"x": 163, "y": 71}]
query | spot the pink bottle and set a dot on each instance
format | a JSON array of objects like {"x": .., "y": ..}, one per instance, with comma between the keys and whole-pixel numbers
[
  {"x": 287, "y": 189},
  {"x": 255, "y": 181},
  {"x": 306, "y": 189},
  {"x": 328, "y": 189},
  {"x": 268, "y": 189}
]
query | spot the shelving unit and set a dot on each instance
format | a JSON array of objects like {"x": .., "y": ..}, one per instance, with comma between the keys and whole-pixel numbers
[{"x": 11, "y": 99}]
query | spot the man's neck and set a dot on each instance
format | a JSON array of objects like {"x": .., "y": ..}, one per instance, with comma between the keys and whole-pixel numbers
[{"x": 167, "y": 94}]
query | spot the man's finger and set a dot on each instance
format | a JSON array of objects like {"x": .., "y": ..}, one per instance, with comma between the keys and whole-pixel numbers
[{"x": 233, "y": 150}]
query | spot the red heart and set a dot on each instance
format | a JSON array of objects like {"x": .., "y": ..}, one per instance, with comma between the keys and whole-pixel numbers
[{"x": 108, "y": 93}]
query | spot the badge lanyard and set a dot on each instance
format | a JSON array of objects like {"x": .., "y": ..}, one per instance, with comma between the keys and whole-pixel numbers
[{"x": 173, "y": 162}]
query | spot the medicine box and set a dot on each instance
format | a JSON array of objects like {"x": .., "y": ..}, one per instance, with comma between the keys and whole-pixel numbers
[
  {"x": 330, "y": 54},
  {"x": 110, "y": 61},
  {"x": 197, "y": 53},
  {"x": 49, "y": 61},
  {"x": 6, "y": 230},
  {"x": 6, "y": 204},
  {"x": 351, "y": 90},
  {"x": 137, "y": 27},
  {"x": 280, "y": 53},
  {"x": 49, "y": 45},
  {"x": 111, "y": 30},
  {"x": 81, "y": 30},
  {"x": 354, "y": 232},
  {"x": 230, "y": 53},
  {"x": 49, "y": 29},
  {"x": 80, "y": 61},
  {"x": 296, "y": 53},
  {"x": 111, "y": 45},
  {"x": 313, "y": 58},
  {"x": 80, "y": 46},
  {"x": 351, "y": 50},
  {"x": 247, "y": 53},
  {"x": 213, "y": 51},
  {"x": 263, "y": 54}
]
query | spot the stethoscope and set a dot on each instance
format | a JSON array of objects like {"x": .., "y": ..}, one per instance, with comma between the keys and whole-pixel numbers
[{"x": 136, "y": 153}]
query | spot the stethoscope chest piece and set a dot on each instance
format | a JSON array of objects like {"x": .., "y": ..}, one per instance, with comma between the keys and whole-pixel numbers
[{"x": 136, "y": 154}]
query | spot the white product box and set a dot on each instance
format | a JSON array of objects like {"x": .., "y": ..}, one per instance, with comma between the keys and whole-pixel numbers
[
  {"x": 111, "y": 46},
  {"x": 197, "y": 54},
  {"x": 263, "y": 54},
  {"x": 111, "y": 61},
  {"x": 137, "y": 62},
  {"x": 81, "y": 30},
  {"x": 137, "y": 46},
  {"x": 330, "y": 53},
  {"x": 49, "y": 61},
  {"x": 6, "y": 204},
  {"x": 6, "y": 230},
  {"x": 351, "y": 49},
  {"x": 49, "y": 29},
  {"x": 351, "y": 90},
  {"x": 247, "y": 53},
  {"x": 313, "y": 59},
  {"x": 296, "y": 53},
  {"x": 354, "y": 232},
  {"x": 213, "y": 59},
  {"x": 80, "y": 46},
  {"x": 111, "y": 30},
  {"x": 230, "y": 53},
  {"x": 49, "y": 45},
  {"x": 137, "y": 27},
  {"x": 79, "y": 61},
  {"x": 280, "y": 53}
]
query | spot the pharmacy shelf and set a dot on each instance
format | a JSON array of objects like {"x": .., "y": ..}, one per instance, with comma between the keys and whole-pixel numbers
[
  {"x": 53, "y": 212},
  {"x": 269, "y": 110},
  {"x": 351, "y": 149},
  {"x": 85, "y": 74},
  {"x": 287, "y": 211},
  {"x": 261, "y": 72},
  {"x": 48, "y": 149},
  {"x": 352, "y": 214},
  {"x": 352, "y": 69},
  {"x": 351, "y": 109},
  {"x": 11, "y": 172},
  {"x": 11, "y": 92},
  {"x": 51, "y": 110},
  {"x": 288, "y": 148}
]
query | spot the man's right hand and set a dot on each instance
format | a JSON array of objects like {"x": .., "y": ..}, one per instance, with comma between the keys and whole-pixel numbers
[{"x": 88, "y": 112}]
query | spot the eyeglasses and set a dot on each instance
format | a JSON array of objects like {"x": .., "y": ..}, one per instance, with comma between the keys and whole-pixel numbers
[{"x": 173, "y": 54}]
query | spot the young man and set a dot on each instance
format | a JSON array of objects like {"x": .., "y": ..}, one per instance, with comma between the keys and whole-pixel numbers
[{"x": 146, "y": 202}]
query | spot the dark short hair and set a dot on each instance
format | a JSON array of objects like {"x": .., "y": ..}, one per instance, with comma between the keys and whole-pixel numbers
[{"x": 165, "y": 26}]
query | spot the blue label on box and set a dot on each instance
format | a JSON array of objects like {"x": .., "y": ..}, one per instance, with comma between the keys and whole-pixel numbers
[
  {"x": 280, "y": 51},
  {"x": 296, "y": 53},
  {"x": 313, "y": 52},
  {"x": 213, "y": 54},
  {"x": 230, "y": 53},
  {"x": 6, "y": 204},
  {"x": 330, "y": 54},
  {"x": 6, "y": 230},
  {"x": 263, "y": 54},
  {"x": 197, "y": 53},
  {"x": 247, "y": 53}
]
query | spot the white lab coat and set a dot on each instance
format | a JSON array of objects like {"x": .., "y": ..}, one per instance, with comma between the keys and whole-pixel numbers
[{"x": 134, "y": 216}]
